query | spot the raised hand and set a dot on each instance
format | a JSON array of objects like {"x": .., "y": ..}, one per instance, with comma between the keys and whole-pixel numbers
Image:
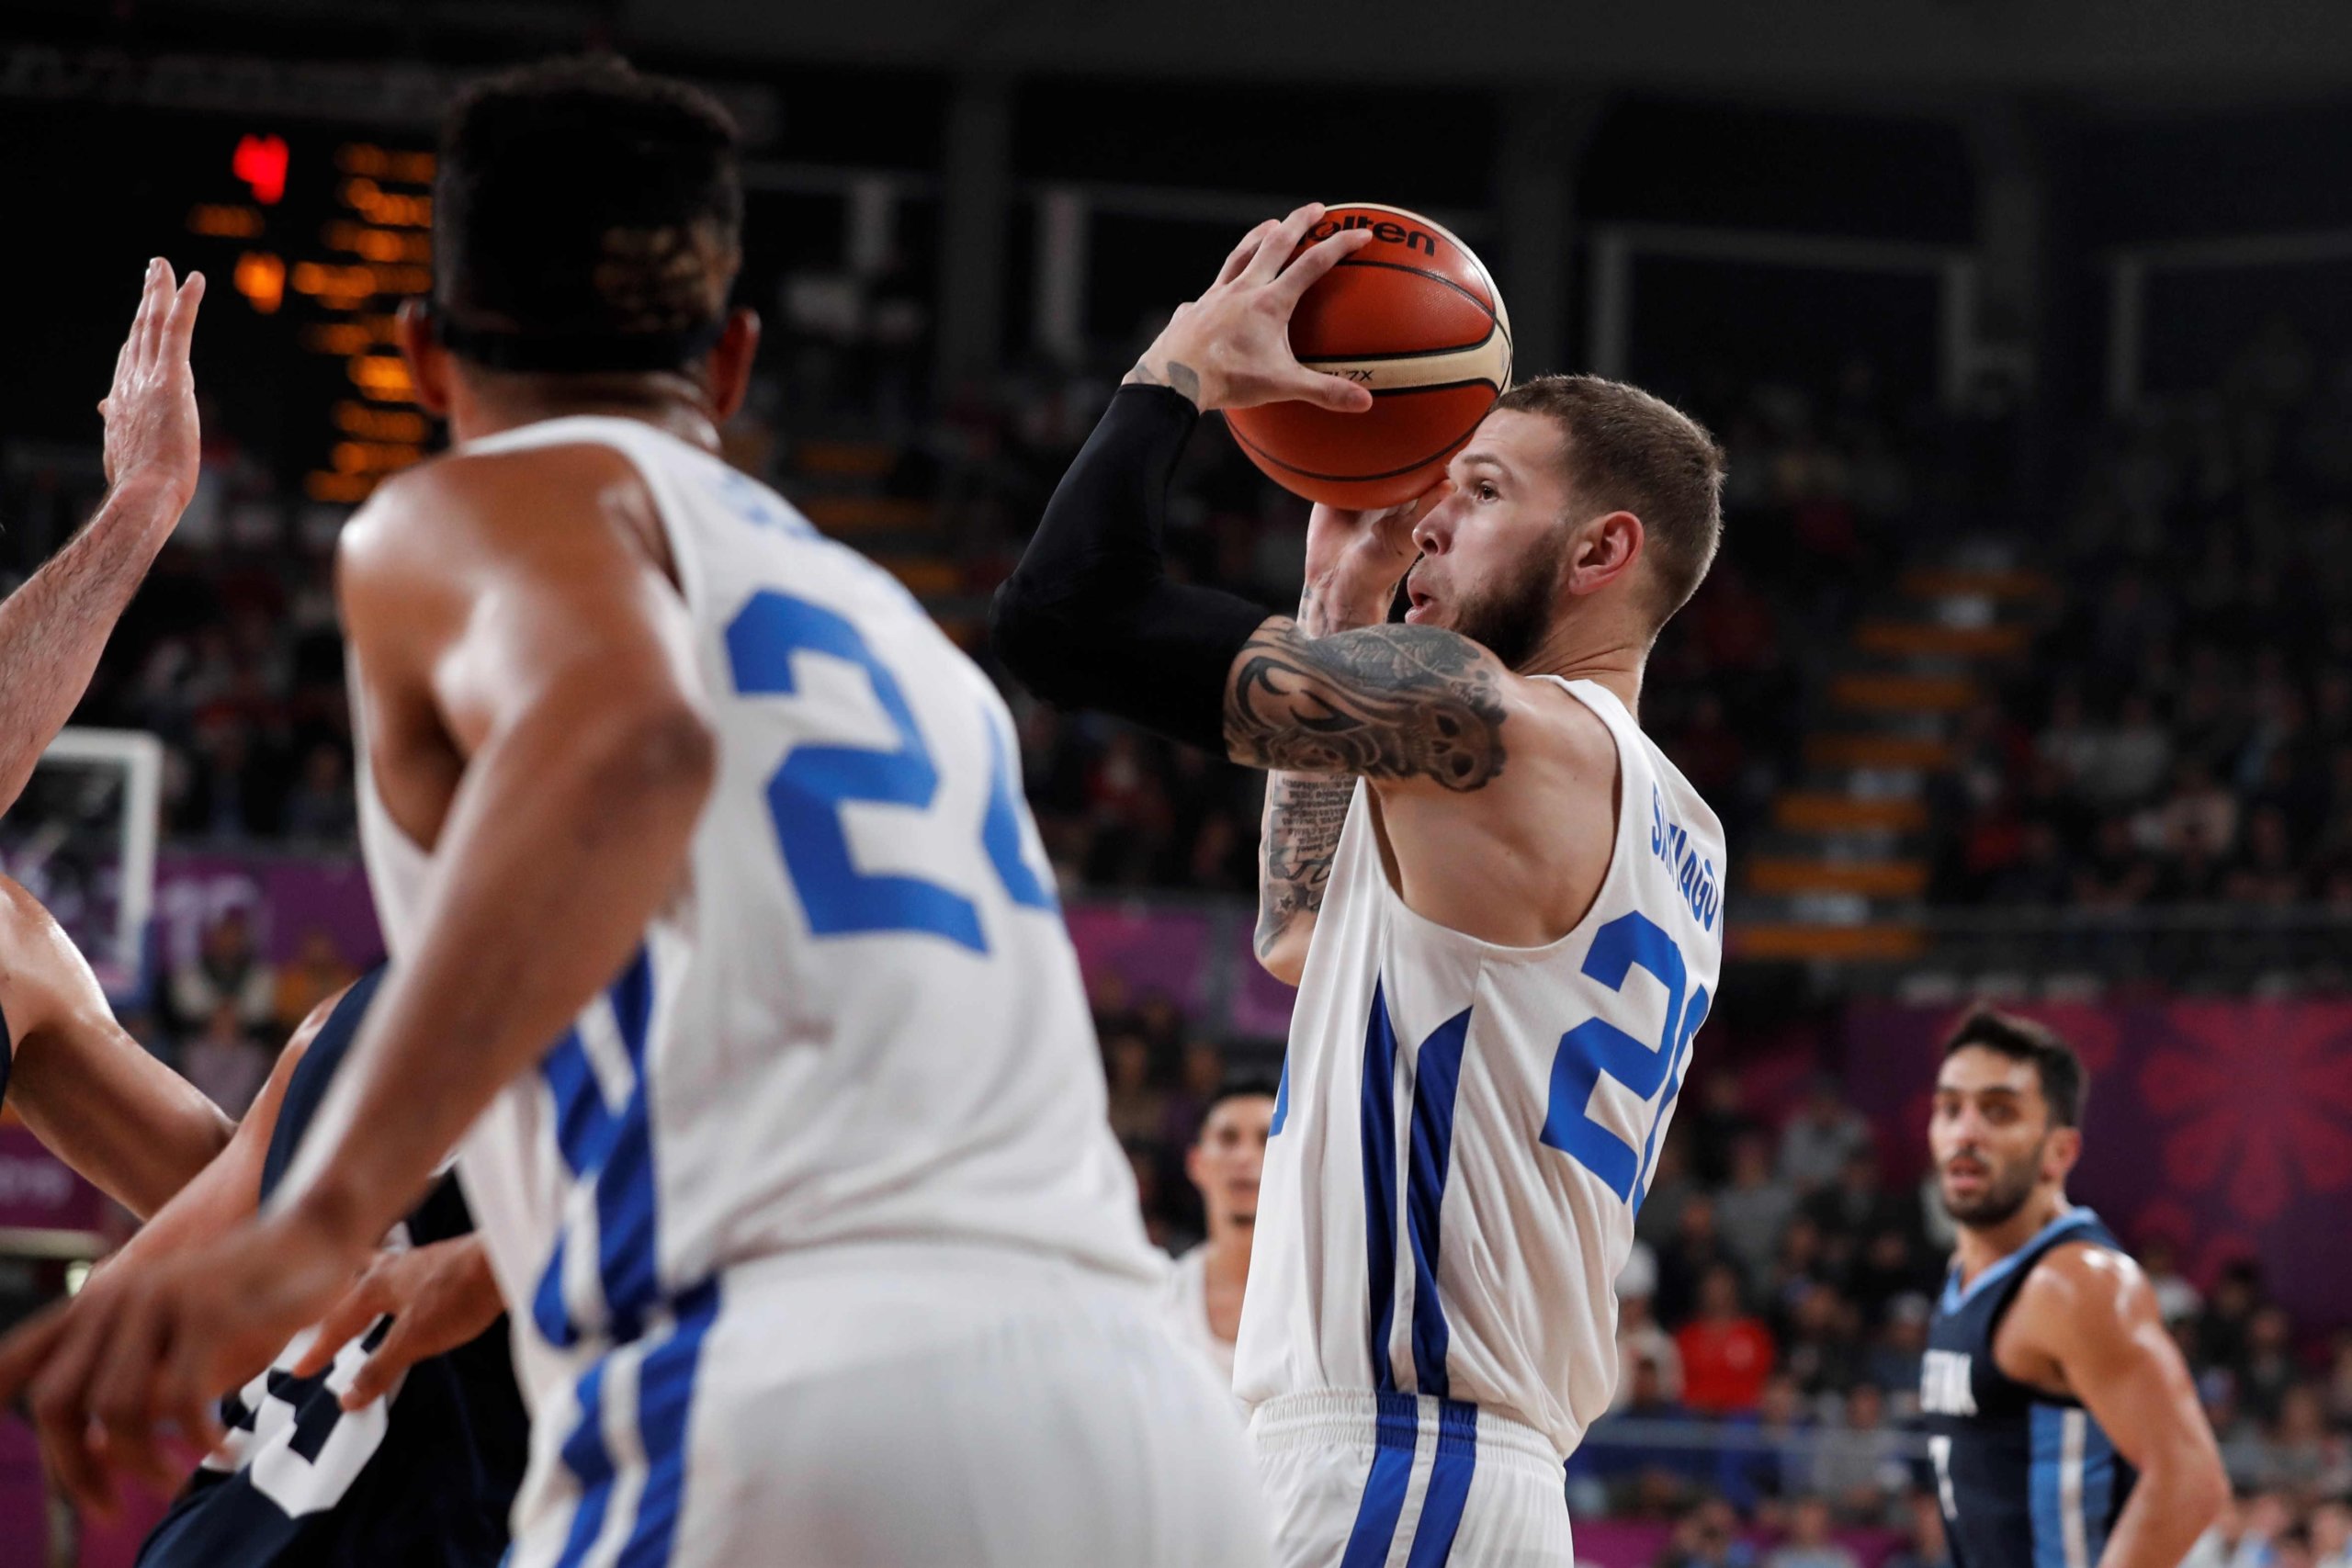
[
  {"x": 1354, "y": 560},
  {"x": 149, "y": 412},
  {"x": 1230, "y": 348}
]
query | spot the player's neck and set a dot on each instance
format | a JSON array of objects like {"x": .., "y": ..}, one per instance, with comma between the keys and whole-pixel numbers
[
  {"x": 1616, "y": 667},
  {"x": 668, "y": 403},
  {"x": 1227, "y": 1258},
  {"x": 1982, "y": 1247}
]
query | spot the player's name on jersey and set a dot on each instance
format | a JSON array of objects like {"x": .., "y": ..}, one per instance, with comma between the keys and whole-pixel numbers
[
  {"x": 1693, "y": 873},
  {"x": 1947, "y": 1385}
]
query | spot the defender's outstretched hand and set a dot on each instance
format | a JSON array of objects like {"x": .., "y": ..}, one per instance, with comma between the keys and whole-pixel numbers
[
  {"x": 439, "y": 1297},
  {"x": 152, "y": 435},
  {"x": 52, "y": 627},
  {"x": 134, "y": 1367},
  {"x": 1230, "y": 348}
]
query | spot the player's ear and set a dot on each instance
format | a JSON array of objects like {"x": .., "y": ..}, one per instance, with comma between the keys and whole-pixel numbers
[
  {"x": 428, "y": 362},
  {"x": 1602, "y": 549},
  {"x": 2058, "y": 1157},
  {"x": 727, "y": 372},
  {"x": 1193, "y": 1165}
]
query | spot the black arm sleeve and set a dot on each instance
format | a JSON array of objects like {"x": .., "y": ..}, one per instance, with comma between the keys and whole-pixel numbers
[{"x": 1088, "y": 618}]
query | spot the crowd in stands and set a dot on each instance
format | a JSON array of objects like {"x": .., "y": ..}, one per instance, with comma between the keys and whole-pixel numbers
[{"x": 2182, "y": 732}]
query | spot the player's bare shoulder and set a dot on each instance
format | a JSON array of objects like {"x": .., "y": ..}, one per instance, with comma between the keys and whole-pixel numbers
[
  {"x": 462, "y": 504},
  {"x": 2077, "y": 1295}
]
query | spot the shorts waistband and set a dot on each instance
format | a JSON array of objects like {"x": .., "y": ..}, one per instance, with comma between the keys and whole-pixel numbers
[{"x": 1341, "y": 1418}]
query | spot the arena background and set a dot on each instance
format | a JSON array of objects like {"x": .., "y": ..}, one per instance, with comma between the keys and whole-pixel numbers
[{"x": 2026, "y": 672}]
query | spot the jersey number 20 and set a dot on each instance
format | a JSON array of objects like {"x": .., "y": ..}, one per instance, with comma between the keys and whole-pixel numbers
[
  {"x": 1596, "y": 1048},
  {"x": 809, "y": 787}
]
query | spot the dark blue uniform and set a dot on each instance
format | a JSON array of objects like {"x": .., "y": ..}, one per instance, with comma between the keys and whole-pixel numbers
[
  {"x": 2025, "y": 1478},
  {"x": 423, "y": 1476}
]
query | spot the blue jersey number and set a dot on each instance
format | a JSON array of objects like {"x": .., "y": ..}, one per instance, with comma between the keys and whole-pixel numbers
[
  {"x": 1597, "y": 1047},
  {"x": 808, "y": 789}
]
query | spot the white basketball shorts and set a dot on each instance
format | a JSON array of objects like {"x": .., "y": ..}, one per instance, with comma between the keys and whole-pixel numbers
[
  {"x": 895, "y": 1406},
  {"x": 1401, "y": 1481}
]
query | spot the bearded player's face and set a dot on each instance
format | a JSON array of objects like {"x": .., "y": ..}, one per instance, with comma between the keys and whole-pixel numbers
[
  {"x": 1492, "y": 551},
  {"x": 1991, "y": 1135}
]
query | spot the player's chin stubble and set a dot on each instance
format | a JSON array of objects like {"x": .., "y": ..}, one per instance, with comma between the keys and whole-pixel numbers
[
  {"x": 1509, "y": 622},
  {"x": 2002, "y": 1198}
]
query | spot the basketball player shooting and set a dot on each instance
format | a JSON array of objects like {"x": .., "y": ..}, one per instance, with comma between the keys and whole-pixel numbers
[
  {"x": 1498, "y": 900},
  {"x": 721, "y": 938},
  {"x": 2064, "y": 1424}
]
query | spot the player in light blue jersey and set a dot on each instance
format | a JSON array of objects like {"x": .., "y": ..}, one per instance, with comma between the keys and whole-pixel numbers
[
  {"x": 726, "y": 957},
  {"x": 1501, "y": 903}
]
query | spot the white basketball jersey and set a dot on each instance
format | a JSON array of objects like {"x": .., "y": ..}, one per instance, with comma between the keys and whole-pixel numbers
[
  {"x": 863, "y": 1018},
  {"x": 1464, "y": 1131}
]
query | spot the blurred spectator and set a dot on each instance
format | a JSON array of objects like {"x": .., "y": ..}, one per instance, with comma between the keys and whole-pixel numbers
[
  {"x": 321, "y": 807},
  {"x": 1685, "y": 1259},
  {"x": 1640, "y": 1453},
  {"x": 225, "y": 1061},
  {"x": 227, "y": 970},
  {"x": 1767, "y": 1453},
  {"x": 1138, "y": 1110},
  {"x": 2177, "y": 1299},
  {"x": 318, "y": 971},
  {"x": 1754, "y": 1207},
  {"x": 1718, "y": 1123},
  {"x": 1824, "y": 1133},
  {"x": 1820, "y": 1342},
  {"x": 1895, "y": 1355},
  {"x": 1726, "y": 1354},
  {"x": 1639, "y": 1338},
  {"x": 2301, "y": 1455},
  {"x": 1809, "y": 1543},
  {"x": 2267, "y": 1369},
  {"x": 1925, "y": 1545},
  {"x": 1707, "y": 1537},
  {"x": 1859, "y": 1464},
  {"x": 2330, "y": 1527}
]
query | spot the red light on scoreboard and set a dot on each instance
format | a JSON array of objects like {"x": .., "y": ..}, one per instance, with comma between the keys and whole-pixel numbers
[{"x": 260, "y": 162}]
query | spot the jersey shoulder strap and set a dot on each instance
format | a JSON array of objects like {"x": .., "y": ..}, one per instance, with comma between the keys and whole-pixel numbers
[{"x": 307, "y": 1085}]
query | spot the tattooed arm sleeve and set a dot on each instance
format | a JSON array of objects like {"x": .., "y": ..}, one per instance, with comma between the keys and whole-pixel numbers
[{"x": 1400, "y": 702}]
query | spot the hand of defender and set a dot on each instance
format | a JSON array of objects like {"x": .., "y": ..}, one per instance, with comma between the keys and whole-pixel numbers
[
  {"x": 149, "y": 412},
  {"x": 439, "y": 1297},
  {"x": 132, "y": 1368},
  {"x": 1230, "y": 348},
  {"x": 1361, "y": 555}
]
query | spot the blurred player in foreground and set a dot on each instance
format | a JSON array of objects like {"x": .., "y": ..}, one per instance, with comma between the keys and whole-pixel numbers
[
  {"x": 2064, "y": 1424},
  {"x": 371, "y": 1440},
  {"x": 1499, "y": 900},
  {"x": 1227, "y": 1155},
  {"x": 721, "y": 937}
]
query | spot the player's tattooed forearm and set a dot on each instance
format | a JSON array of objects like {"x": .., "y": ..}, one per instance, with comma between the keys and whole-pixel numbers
[
  {"x": 1303, "y": 818},
  {"x": 1387, "y": 702},
  {"x": 1182, "y": 378}
]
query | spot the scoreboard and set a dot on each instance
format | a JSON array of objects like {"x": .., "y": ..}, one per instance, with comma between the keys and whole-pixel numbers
[
  {"x": 309, "y": 239},
  {"x": 326, "y": 242}
]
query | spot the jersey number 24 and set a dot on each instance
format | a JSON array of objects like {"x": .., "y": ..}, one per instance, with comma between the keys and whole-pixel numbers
[{"x": 809, "y": 787}]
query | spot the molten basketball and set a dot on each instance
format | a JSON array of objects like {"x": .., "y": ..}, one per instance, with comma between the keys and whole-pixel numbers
[{"x": 1413, "y": 317}]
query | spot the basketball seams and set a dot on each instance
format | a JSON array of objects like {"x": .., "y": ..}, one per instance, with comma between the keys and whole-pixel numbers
[
  {"x": 1456, "y": 445},
  {"x": 1318, "y": 361},
  {"x": 1485, "y": 308}
]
